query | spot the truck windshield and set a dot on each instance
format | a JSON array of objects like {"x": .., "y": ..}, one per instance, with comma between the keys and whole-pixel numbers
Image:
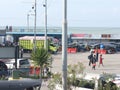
[
  {"x": 24, "y": 62},
  {"x": 52, "y": 45}
]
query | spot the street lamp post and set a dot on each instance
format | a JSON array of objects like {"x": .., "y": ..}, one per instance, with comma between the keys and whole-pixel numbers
[
  {"x": 35, "y": 27},
  {"x": 45, "y": 42},
  {"x": 64, "y": 46},
  {"x": 28, "y": 21}
]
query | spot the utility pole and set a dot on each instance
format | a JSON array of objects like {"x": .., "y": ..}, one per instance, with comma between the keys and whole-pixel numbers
[
  {"x": 35, "y": 26},
  {"x": 28, "y": 21},
  {"x": 45, "y": 6},
  {"x": 64, "y": 46}
]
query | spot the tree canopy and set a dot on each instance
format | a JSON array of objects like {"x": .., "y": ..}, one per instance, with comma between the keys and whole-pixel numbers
[{"x": 40, "y": 56}]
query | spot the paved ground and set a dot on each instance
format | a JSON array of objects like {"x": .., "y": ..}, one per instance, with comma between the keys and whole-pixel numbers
[{"x": 111, "y": 64}]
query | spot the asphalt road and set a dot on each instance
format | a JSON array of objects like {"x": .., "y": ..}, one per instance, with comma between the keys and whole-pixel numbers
[{"x": 111, "y": 63}]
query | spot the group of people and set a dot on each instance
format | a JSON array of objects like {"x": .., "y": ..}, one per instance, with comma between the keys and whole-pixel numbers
[{"x": 93, "y": 58}]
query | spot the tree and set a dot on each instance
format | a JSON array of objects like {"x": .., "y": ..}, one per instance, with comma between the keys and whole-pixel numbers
[{"x": 41, "y": 57}]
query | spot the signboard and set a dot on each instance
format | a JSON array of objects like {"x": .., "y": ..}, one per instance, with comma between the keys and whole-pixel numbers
[
  {"x": 81, "y": 36},
  {"x": 7, "y": 52},
  {"x": 106, "y": 36},
  {"x": 2, "y": 32}
]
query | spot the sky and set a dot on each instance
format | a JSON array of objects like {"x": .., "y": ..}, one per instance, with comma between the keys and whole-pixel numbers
[{"x": 80, "y": 13}]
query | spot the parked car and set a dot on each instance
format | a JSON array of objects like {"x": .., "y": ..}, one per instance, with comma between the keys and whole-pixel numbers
[
  {"x": 110, "y": 49},
  {"x": 3, "y": 69}
]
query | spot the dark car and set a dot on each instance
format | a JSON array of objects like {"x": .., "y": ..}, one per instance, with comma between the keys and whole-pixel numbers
[
  {"x": 3, "y": 69},
  {"x": 110, "y": 48}
]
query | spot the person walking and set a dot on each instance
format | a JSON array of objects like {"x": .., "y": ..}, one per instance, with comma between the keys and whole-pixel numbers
[
  {"x": 94, "y": 62},
  {"x": 101, "y": 60},
  {"x": 90, "y": 57},
  {"x": 21, "y": 52}
]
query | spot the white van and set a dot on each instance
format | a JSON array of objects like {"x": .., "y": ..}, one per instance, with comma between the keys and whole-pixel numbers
[{"x": 21, "y": 63}]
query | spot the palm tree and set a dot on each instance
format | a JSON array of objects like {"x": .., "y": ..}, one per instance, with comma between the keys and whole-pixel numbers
[{"x": 41, "y": 57}]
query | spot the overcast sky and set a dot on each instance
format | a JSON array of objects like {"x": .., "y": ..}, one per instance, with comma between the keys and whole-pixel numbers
[{"x": 81, "y": 13}]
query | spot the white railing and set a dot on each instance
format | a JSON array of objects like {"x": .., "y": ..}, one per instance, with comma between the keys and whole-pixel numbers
[{"x": 49, "y": 30}]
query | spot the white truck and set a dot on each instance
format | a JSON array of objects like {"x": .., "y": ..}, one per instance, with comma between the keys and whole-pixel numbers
[{"x": 21, "y": 63}]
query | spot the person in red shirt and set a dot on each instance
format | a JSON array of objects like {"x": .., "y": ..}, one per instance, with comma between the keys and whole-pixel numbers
[{"x": 101, "y": 60}]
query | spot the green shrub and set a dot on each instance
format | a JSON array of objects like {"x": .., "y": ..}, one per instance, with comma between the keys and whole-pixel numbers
[
  {"x": 107, "y": 86},
  {"x": 84, "y": 83},
  {"x": 3, "y": 77}
]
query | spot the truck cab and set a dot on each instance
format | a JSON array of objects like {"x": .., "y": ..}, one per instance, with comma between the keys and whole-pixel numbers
[{"x": 21, "y": 63}]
